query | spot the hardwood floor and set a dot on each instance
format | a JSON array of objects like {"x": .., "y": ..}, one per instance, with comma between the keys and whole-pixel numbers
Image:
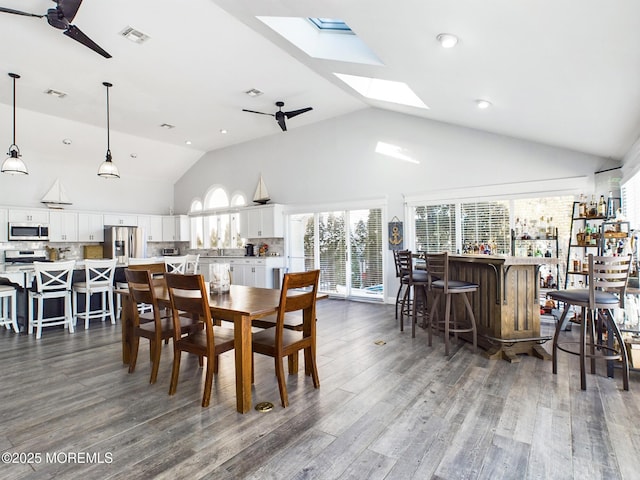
[{"x": 397, "y": 410}]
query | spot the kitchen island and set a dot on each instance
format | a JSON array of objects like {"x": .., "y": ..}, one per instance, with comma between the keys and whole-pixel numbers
[{"x": 507, "y": 305}]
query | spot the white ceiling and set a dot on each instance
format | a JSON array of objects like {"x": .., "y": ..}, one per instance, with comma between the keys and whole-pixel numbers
[{"x": 564, "y": 73}]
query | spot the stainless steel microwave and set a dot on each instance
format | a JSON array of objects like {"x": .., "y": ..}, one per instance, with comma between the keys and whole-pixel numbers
[{"x": 28, "y": 231}]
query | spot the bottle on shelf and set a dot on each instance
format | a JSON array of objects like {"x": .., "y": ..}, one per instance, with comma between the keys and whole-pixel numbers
[
  {"x": 582, "y": 206},
  {"x": 610, "y": 206},
  {"x": 593, "y": 207},
  {"x": 602, "y": 207}
]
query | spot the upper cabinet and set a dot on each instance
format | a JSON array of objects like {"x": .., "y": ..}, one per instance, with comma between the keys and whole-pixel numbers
[
  {"x": 175, "y": 228},
  {"x": 63, "y": 226},
  {"x": 118, "y": 220},
  {"x": 31, "y": 216},
  {"x": 262, "y": 222},
  {"x": 4, "y": 228},
  {"x": 90, "y": 227},
  {"x": 152, "y": 227}
]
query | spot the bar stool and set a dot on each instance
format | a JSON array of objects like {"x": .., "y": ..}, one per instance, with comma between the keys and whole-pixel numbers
[
  {"x": 399, "y": 300},
  {"x": 417, "y": 283},
  {"x": 8, "y": 317},
  {"x": 98, "y": 279},
  {"x": 441, "y": 284},
  {"x": 606, "y": 290}
]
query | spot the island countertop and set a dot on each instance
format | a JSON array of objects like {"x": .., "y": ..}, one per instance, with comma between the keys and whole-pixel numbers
[{"x": 505, "y": 260}]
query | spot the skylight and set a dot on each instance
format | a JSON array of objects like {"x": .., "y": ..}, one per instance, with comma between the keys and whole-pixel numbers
[
  {"x": 385, "y": 90},
  {"x": 330, "y": 24}
]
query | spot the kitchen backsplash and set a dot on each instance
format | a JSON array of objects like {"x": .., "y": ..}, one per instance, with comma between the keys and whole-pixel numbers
[{"x": 275, "y": 247}]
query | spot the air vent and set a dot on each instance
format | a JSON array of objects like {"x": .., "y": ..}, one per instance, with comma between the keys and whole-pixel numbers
[
  {"x": 55, "y": 93},
  {"x": 168, "y": 126},
  {"x": 254, "y": 92},
  {"x": 136, "y": 36}
]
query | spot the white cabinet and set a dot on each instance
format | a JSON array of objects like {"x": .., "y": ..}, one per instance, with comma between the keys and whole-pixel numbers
[
  {"x": 175, "y": 228},
  {"x": 152, "y": 226},
  {"x": 117, "y": 220},
  {"x": 63, "y": 227},
  {"x": 4, "y": 226},
  {"x": 31, "y": 216},
  {"x": 90, "y": 227},
  {"x": 262, "y": 222}
]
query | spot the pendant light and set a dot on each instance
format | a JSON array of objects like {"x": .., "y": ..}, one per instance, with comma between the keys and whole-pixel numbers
[
  {"x": 108, "y": 168},
  {"x": 13, "y": 165}
]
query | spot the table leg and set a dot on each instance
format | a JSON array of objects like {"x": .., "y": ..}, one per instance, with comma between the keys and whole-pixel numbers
[{"x": 242, "y": 344}]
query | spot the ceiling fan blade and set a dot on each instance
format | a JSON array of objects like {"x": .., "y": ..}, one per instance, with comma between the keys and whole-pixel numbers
[
  {"x": 280, "y": 119},
  {"x": 293, "y": 113},
  {"x": 69, "y": 8},
  {"x": 18, "y": 12},
  {"x": 75, "y": 33},
  {"x": 261, "y": 113}
]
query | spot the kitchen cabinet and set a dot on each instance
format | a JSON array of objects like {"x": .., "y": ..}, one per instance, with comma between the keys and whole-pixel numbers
[
  {"x": 249, "y": 271},
  {"x": 266, "y": 221},
  {"x": 4, "y": 227},
  {"x": 175, "y": 228},
  {"x": 120, "y": 220},
  {"x": 90, "y": 227},
  {"x": 63, "y": 227},
  {"x": 152, "y": 226},
  {"x": 31, "y": 216}
]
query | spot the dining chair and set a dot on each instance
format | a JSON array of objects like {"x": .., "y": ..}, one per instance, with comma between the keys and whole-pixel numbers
[
  {"x": 53, "y": 280},
  {"x": 440, "y": 284},
  {"x": 298, "y": 293},
  {"x": 414, "y": 301},
  {"x": 607, "y": 283},
  {"x": 8, "y": 316},
  {"x": 98, "y": 279},
  {"x": 157, "y": 270},
  {"x": 188, "y": 295},
  {"x": 176, "y": 264},
  {"x": 192, "y": 263},
  {"x": 142, "y": 290}
]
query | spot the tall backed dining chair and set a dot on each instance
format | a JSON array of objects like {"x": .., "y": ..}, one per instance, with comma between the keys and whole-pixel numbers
[
  {"x": 157, "y": 270},
  {"x": 414, "y": 301},
  {"x": 299, "y": 291},
  {"x": 189, "y": 295},
  {"x": 607, "y": 282},
  {"x": 98, "y": 280},
  {"x": 192, "y": 263},
  {"x": 441, "y": 284},
  {"x": 8, "y": 316},
  {"x": 176, "y": 264},
  {"x": 143, "y": 290},
  {"x": 53, "y": 280}
]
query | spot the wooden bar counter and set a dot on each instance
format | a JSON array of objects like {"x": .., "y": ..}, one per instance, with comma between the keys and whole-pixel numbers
[{"x": 506, "y": 306}]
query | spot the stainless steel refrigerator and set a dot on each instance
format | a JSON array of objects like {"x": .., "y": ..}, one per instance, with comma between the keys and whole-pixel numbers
[{"x": 124, "y": 242}]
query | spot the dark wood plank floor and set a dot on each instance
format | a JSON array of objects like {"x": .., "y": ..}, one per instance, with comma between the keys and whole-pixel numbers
[{"x": 398, "y": 410}]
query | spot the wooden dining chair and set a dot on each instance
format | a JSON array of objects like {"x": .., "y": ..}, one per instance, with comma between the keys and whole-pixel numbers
[
  {"x": 281, "y": 342},
  {"x": 142, "y": 290},
  {"x": 188, "y": 295}
]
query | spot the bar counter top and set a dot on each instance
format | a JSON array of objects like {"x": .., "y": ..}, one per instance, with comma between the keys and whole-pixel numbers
[{"x": 505, "y": 260}]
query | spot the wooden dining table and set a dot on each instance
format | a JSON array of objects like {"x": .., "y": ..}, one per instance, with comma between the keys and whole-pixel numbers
[{"x": 241, "y": 306}]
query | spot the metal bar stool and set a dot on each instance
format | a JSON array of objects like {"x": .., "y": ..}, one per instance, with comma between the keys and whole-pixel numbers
[
  {"x": 416, "y": 292},
  {"x": 606, "y": 290},
  {"x": 8, "y": 317}
]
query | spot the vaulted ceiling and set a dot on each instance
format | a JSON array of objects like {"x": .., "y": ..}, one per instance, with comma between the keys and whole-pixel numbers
[{"x": 562, "y": 73}]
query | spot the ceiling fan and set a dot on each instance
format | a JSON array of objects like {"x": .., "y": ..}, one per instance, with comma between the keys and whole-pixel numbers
[
  {"x": 280, "y": 115},
  {"x": 61, "y": 18}
]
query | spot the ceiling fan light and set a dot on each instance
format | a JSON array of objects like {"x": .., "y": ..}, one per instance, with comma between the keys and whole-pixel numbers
[
  {"x": 447, "y": 40},
  {"x": 13, "y": 165}
]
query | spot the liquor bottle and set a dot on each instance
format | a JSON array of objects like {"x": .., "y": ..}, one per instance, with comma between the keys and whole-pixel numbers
[
  {"x": 593, "y": 207},
  {"x": 610, "y": 212},
  {"x": 582, "y": 206},
  {"x": 602, "y": 207}
]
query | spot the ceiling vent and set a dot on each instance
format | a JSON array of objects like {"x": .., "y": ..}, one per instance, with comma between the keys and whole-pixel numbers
[
  {"x": 168, "y": 126},
  {"x": 55, "y": 93},
  {"x": 254, "y": 92},
  {"x": 136, "y": 36}
]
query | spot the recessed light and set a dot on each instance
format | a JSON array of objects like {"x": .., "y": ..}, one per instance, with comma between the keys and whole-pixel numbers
[
  {"x": 187, "y": 142},
  {"x": 447, "y": 40},
  {"x": 168, "y": 126},
  {"x": 55, "y": 93},
  {"x": 133, "y": 155},
  {"x": 66, "y": 141},
  {"x": 254, "y": 92},
  {"x": 136, "y": 36},
  {"x": 483, "y": 104},
  {"x": 223, "y": 131}
]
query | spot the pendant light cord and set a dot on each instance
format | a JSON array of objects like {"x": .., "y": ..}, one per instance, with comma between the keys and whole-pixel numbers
[
  {"x": 108, "y": 129},
  {"x": 14, "y": 110}
]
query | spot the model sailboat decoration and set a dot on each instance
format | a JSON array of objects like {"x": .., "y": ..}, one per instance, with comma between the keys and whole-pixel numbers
[
  {"x": 262, "y": 195},
  {"x": 56, "y": 197}
]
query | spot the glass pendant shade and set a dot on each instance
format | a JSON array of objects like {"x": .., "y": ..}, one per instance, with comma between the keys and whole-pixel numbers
[
  {"x": 13, "y": 165},
  {"x": 107, "y": 168}
]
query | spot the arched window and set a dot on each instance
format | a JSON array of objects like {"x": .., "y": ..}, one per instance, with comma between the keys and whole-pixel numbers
[
  {"x": 196, "y": 206},
  {"x": 216, "y": 198},
  {"x": 238, "y": 200}
]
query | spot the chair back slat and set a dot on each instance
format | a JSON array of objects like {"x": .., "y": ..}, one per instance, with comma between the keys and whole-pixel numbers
[
  {"x": 188, "y": 294},
  {"x": 438, "y": 268},
  {"x": 99, "y": 272},
  {"x": 192, "y": 263},
  {"x": 609, "y": 274},
  {"x": 405, "y": 263},
  {"x": 141, "y": 290},
  {"x": 176, "y": 264},
  {"x": 299, "y": 292},
  {"x": 54, "y": 275}
]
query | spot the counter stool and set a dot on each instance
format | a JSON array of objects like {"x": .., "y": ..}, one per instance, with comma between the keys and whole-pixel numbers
[
  {"x": 441, "y": 284},
  {"x": 415, "y": 293},
  {"x": 98, "y": 279},
  {"x": 399, "y": 299},
  {"x": 606, "y": 290},
  {"x": 8, "y": 317},
  {"x": 53, "y": 280}
]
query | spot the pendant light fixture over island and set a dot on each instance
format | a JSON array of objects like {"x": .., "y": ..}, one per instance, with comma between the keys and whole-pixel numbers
[
  {"x": 108, "y": 169},
  {"x": 14, "y": 165}
]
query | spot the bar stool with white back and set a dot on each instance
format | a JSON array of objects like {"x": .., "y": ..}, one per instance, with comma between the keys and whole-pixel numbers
[
  {"x": 8, "y": 316},
  {"x": 192, "y": 264},
  {"x": 53, "y": 280},
  {"x": 98, "y": 279},
  {"x": 176, "y": 264}
]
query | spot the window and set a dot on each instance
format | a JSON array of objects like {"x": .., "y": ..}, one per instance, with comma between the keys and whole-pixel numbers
[
  {"x": 486, "y": 223},
  {"x": 216, "y": 230},
  {"x": 435, "y": 227},
  {"x": 216, "y": 198}
]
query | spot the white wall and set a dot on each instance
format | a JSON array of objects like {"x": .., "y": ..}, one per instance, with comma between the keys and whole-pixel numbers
[{"x": 334, "y": 161}]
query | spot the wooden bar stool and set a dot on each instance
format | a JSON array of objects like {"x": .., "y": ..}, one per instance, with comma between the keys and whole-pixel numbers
[
  {"x": 607, "y": 284},
  {"x": 8, "y": 317},
  {"x": 416, "y": 292},
  {"x": 441, "y": 284}
]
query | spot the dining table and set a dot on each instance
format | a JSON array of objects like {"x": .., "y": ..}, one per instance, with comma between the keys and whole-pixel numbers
[{"x": 241, "y": 305}]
